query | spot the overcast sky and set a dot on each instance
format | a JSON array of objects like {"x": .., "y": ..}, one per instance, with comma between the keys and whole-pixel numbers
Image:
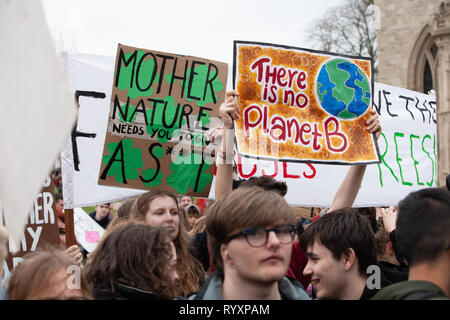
[{"x": 203, "y": 28}]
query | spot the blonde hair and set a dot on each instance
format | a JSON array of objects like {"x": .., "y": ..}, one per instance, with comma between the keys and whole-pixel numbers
[
  {"x": 33, "y": 276},
  {"x": 301, "y": 212}
]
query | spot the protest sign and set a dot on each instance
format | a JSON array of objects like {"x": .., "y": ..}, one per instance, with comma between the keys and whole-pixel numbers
[
  {"x": 41, "y": 227},
  {"x": 90, "y": 77},
  {"x": 300, "y": 105},
  {"x": 87, "y": 231},
  {"x": 407, "y": 152},
  {"x": 161, "y": 106},
  {"x": 309, "y": 184},
  {"x": 36, "y": 110}
]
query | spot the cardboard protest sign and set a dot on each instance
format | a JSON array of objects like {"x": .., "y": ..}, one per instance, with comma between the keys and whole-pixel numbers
[
  {"x": 41, "y": 227},
  {"x": 87, "y": 231},
  {"x": 36, "y": 110},
  {"x": 408, "y": 154},
  {"x": 161, "y": 106},
  {"x": 300, "y": 105}
]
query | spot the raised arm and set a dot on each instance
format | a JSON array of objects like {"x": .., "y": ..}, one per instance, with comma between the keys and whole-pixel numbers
[
  {"x": 3, "y": 250},
  {"x": 349, "y": 188},
  {"x": 228, "y": 112}
]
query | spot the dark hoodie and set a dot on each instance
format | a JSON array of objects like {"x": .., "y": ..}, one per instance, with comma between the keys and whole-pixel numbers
[
  {"x": 411, "y": 290},
  {"x": 122, "y": 292}
]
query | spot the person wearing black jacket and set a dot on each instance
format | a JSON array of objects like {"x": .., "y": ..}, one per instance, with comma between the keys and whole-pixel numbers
[
  {"x": 391, "y": 269},
  {"x": 101, "y": 215}
]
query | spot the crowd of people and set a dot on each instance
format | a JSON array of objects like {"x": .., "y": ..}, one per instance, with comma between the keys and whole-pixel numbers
[{"x": 249, "y": 244}]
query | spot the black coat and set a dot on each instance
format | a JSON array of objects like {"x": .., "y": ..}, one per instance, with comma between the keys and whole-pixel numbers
[
  {"x": 199, "y": 249},
  {"x": 390, "y": 273},
  {"x": 122, "y": 292},
  {"x": 104, "y": 222}
]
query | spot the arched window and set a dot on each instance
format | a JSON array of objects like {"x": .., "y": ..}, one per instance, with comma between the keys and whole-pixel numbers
[
  {"x": 422, "y": 63},
  {"x": 427, "y": 78}
]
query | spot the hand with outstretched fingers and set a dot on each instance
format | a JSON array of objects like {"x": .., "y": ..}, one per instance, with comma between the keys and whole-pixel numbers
[{"x": 389, "y": 216}]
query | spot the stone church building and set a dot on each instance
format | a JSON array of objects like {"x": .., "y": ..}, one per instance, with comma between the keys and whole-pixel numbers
[{"x": 414, "y": 53}]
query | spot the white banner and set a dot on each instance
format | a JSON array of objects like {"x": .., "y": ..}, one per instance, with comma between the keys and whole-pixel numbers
[
  {"x": 91, "y": 79},
  {"x": 407, "y": 148}
]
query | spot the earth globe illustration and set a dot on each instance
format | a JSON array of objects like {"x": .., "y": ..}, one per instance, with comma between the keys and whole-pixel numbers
[{"x": 343, "y": 89}]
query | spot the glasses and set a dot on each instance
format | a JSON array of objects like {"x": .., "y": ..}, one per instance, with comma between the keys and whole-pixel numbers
[{"x": 257, "y": 237}]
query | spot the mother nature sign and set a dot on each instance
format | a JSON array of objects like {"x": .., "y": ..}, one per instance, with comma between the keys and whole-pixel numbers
[{"x": 162, "y": 105}]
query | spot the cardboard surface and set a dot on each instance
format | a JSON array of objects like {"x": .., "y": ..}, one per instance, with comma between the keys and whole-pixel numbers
[
  {"x": 41, "y": 228},
  {"x": 162, "y": 105}
]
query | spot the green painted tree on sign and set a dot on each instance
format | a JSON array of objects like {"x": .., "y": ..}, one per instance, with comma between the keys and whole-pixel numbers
[
  {"x": 129, "y": 113},
  {"x": 188, "y": 172},
  {"x": 126, "y": 74},
  {"x": 198, "y": 85},
  {"x": 123, "y": 162},
  {"x": 166, "y": 118},
  {"x": 149, "y": 174}
]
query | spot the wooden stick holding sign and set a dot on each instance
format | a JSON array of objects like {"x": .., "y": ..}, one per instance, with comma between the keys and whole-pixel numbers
[{"x": 70, "y": 229}]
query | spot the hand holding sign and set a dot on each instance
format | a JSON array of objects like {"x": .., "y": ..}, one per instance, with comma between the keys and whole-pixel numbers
[
  {"x": 389, "y": 216},
  {"x": 3, "y": 249},
  {"x": 373, "y": 124},
  {"x": 75, "y": 254},
  {"x": 229, "y": 110}
]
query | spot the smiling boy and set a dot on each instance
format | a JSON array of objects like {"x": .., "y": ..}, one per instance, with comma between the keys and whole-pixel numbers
[{"x": 340, "y": 246}]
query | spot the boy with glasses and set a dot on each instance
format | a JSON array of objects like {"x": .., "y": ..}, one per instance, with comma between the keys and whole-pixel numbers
[{"x": 250, "y": 232}]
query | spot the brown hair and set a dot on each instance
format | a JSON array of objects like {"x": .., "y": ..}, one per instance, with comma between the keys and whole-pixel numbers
[
  {"x": 124, "y": 210},
  {"x": 243, "y": 208},
  {"x": 189, "y": 268},
  {"x": 267, "y": 183},
  {"x": 123, "y": 213},
  {"x": 381, "y": 240},
  {"x": 199, "y": 226},
  {"x": 32, "y": 277},
  {"x": 136, "y": 255}
]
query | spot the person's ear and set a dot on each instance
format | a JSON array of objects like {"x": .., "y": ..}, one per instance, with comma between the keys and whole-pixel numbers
[
  {"x": 225, "y": 254},
  {"x": 390, "y": 248},
  {"x": 348, "y": 259}
]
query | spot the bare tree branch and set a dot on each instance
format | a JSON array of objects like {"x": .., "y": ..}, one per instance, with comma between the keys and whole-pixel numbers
[{"x": 347, "y": 29}]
